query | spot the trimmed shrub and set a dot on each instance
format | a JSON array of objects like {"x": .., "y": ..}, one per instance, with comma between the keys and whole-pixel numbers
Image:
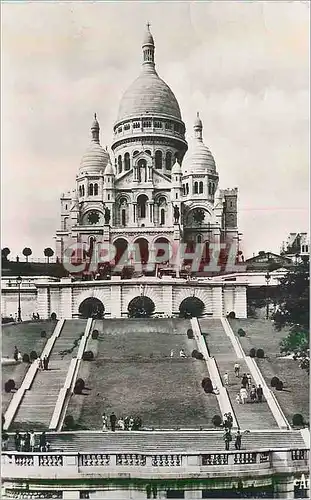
[
  {"x": 88, "y": 356},
  {"x": 274, "y": 381},
  {"x": 3, "y": 421},
  {"x": 53, "y": 316},
  {"x": 252, "y": 352},
  {"x": 43, "y": 334},
  {"x": 199, "y": 356},
  {"x": 231, "y": 315},
  {"x": 69, "y": 422},
  {"x": 298, "y": 420},
  {"x": 194, "y": 353},
  {"x": 241, "y": 332},
  {"x": 33, "y": 355},
  {"x": 26, "y": 358},
  {"x": 216, "y": 420},
  {"x": 208, "y": 389},
  {"x": 190, "y": 333},
  {"x": 80, "y": 382},
  {"x": 95, "y": 334},
  {"x": 260, "y": 353},
  {"x": 279, "y": 386},
  {"x": 9, "y": 385},
  {"x": 206, "y": 381}
]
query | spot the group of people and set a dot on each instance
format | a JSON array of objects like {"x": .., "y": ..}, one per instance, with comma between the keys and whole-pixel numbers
[
  {"x": 182, "y": 353},
  {"x": 28, "y": 442},
  {"x": 17, "y": 355},
  {"x": 123, "y": 424},
  {"x": 43, "y": 364},
  {"x": 248, "y": 391},
  {"x": 227, "y": 424}
]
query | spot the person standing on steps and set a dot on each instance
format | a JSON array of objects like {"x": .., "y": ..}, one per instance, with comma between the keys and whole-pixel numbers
[
  {"x": 227, "y": 439},
  {"x": 238, "y": 439},
  {"x": 244, "y": 381},
  {"x": 249, "y": 380},
  {"x": 113, "y": 420},
  {"x": 105, "y": 421},
  {"x": 32, "y": 441},
  {"x": 226, "y": 378},
  {"x": 237, "y": 369},
  {"x": 259, "y": 393}
]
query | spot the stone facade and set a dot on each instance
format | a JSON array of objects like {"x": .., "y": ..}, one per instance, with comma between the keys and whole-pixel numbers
[
  {"x": 66, "y": 296},
  {"x": 130, "y": 194}
]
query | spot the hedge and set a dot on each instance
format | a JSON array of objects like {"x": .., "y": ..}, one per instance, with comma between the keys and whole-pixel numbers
[
  {"x": 279, "y": 386},
  {"x": 241, "y": 332},
  {"x": 95, "y": 334},
  {"x": 216, "y": 420},
  {"x": 26, "y": 358},
  {"x": 260, "y": 353},
  {"x": 206, "y": 381},
  {"x": 298, "y": 420},
  {"x": 69, "y": 421},
  {"x": 88, "y": 356},
  {"x": 43, "y": 334},
  {"x": 274, "y": 381},
  {"x": 190, "y": 333},
  {"x": 252, "y": 352},
  {"x": 33, "y": 355},
  {"x": 9, "y": 385}
]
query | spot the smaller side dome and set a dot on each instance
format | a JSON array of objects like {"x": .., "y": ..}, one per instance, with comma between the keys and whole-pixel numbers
[
  {"x": 109, "y": 170},
  {"x": 176, "y": 168},
  {"x": 198, "y": 159},
  {"x": 95, "y": 158}
]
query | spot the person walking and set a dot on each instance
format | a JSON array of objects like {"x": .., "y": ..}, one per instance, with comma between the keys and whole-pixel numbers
[
  {"x": 113, "y": 421},
  {"x": 17, "y": 441},
  {"x": 238, "y": 439},
  {"x": 15, "y": 356},
  {"x": 22, "y": 443},
  {"x": 32, "y": 441},
  {"x": 259, "y": 393},
  {"x": 43, "y": 441},
  {"x": 121, "y": 424},
  {"x": 237, "y": 369},
  {"x": 27, "y": 441},
  {"x": 253, "y": 394},
  {"x": 244, "y": 380},
  {"x": 249, "y": 380},
  {"x": 105, "y": 422},
  {"x": 230, "y": 420},
  {"x": 227, "y": 438},
  {"x": 172, "y": 353},
  {"x": 226, "y": 378},
  {"x": 45, "y": 363},
  {"x": 243, "y": 395}
]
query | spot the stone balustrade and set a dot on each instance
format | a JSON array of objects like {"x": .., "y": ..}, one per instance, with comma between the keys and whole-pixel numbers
[{"x": 75, "y": 465}]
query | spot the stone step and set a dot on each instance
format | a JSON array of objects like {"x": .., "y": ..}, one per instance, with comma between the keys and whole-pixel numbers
[{"x": 161, "y": 442}]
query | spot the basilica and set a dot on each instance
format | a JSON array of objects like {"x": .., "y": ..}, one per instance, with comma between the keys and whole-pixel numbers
[{"x": 150, "y": 188}]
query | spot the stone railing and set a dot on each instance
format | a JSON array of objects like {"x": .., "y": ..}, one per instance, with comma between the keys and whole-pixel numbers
[{"x": 53, "y": 465}]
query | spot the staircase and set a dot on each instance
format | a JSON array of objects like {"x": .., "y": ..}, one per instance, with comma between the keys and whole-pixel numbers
[
  {"x": 250, "y": 415},
  {"x": 161, "y": 442},
  {"x": 37, "y": 406}
]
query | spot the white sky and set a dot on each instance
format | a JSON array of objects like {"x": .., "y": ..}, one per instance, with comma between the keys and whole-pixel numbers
[{"x": 244, "y": 66}]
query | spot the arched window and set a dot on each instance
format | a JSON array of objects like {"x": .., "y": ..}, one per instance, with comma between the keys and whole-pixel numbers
[
  {"x": 119, "y": 164},
  {"x": 187, "y": 188},
  {"x": 199, "y": 238},
  {"x": 209, "y": 188},
  {"x": 123, "y": 217},
  {"x": 162, "y": 217},
  {"x": 91, "y": 190},
  {"x": 95, "y": 189},
  {"x": 168, "y": 160},
  {"x": 176, "y": 196},
  {"x": 148, "y": 152},
  {"x": 200, "y": 187},
  {"x": 83, "y": 191},
  {"x": 195, "y": 188},
  {"x": 80, "y": 190},
  {"x": 141, "y": 205},
  {"x": 127, "y": 161},
  {"x": 135, "y": 153},
  {"x": 158, "y": 159}
]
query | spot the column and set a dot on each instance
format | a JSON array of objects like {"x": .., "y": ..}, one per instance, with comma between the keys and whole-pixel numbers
[
  {"x": 217, "y": 303},
  {"x": 115, "y": 301},
  {"x": 284, "y": 487},
  {"x": 134, "y": 213},
  {"x": 66, "y": 298}
]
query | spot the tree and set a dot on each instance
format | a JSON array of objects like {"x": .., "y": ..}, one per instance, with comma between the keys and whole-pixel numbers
[
  {"x": 27, "y": 252},
  {"x": 48, "y": 252},
  {"x": 293, "y": 307},
  {"x": 5, "y": 252}
]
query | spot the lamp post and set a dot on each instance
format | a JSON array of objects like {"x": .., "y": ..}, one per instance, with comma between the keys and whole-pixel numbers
[
  {"x": 267, "y": 278},
  {"x": 19, "y": 282}
]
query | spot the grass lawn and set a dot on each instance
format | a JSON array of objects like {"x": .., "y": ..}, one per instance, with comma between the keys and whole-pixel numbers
[
  {"x": 26, "y": 337},
  {"x": 132, "y": 374}
]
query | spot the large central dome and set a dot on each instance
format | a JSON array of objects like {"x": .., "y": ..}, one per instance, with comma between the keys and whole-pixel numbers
[{"x": 148, "y": 94}]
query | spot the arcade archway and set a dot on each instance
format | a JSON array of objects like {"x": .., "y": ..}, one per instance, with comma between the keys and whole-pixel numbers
[
  {"x": 92, "y": 308},
  {"x": 191, "y": 307},
  {"x": 143, "y": 254},
  {"x": 165, "y": 252},
  {"x": 141, "y": 307},
  {"x": 121, "y": 248}
]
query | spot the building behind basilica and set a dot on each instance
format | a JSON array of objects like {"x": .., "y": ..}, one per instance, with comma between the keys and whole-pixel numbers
[{"x": 151, "y": 188}]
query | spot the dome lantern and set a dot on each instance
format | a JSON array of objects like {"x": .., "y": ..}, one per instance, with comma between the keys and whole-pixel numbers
[
  {"x": 198, "y": 128},
  {"x": 148, "y": 50},
  {"x": 95, "y": 130}
]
